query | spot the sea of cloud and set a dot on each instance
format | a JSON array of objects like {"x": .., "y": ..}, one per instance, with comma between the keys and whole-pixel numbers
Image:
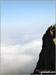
[{"x": 20, "y": 59}]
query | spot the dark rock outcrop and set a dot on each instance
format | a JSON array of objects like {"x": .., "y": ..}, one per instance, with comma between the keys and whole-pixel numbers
[{"x": 46, "y": 60}]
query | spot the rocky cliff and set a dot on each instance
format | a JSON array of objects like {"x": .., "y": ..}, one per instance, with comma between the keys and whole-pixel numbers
[{"x": 46, "y": 60}]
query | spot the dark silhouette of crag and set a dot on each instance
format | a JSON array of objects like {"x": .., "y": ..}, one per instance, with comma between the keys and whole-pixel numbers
[{"x": 46, "y": 60}]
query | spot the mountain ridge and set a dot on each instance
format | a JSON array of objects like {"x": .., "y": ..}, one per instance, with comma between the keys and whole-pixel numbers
[{"x": 46, "y": 60}]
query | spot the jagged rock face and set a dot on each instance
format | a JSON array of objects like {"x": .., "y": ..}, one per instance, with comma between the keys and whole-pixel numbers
[{"x": 46, "y": 60}]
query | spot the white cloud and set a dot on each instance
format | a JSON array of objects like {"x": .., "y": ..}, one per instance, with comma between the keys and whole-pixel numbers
[
  {"x": 13, "y": 63},
  {"x": 15, "y": 49},
  {"x": 16, "y": 58}
]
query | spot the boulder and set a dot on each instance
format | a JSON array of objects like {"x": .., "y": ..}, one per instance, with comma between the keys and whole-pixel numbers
[{"x": 46, "y": 60}]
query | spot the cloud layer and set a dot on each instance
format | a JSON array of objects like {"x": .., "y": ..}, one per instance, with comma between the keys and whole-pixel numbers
[{"x": 21, "y": 58}]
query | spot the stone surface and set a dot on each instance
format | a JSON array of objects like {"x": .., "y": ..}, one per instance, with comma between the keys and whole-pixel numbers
[{"x": 46, "y": 60}]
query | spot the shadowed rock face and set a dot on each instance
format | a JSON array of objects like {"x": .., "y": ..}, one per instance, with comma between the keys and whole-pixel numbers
[{"x": 46, "y": 60}]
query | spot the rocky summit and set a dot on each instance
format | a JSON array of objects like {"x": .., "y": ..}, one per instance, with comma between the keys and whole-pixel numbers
[{"x": 46, "y": 60}]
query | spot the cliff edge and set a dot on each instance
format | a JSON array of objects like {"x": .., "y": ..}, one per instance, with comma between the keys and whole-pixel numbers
[{"x": 46, "y": 60}]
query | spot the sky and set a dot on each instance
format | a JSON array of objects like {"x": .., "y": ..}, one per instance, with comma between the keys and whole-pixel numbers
[{"x": 23, "y": 24}]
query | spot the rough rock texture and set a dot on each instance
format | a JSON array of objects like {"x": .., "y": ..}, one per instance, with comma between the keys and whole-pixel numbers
[{"x": 46, "y": 60}]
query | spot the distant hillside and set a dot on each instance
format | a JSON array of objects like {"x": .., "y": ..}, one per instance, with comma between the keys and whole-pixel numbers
[{"x": 46, "y": 60}]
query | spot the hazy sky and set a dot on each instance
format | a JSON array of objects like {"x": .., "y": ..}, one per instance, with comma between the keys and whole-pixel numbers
[
  {"x": 24, "y": 21},
  {"x": 23, "y": 24}
]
